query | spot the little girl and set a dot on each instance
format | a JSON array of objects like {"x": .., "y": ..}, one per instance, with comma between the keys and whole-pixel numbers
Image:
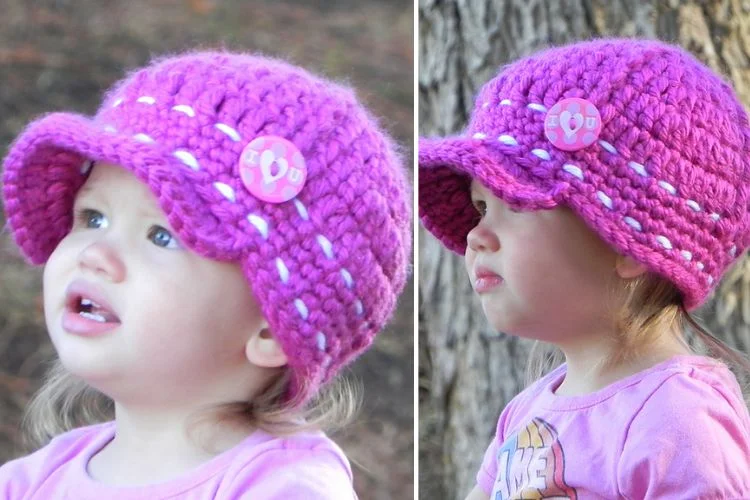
[
  {"x": 224, "y": 236},
  {"x": 598, "y": 195}
]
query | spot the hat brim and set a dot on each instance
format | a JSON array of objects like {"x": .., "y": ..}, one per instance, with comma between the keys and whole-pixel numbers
[
  {"x": 446, "y": 169},
  {"x": 42, "y": 174}
]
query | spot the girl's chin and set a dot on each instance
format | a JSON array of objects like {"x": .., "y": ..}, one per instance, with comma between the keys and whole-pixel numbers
[
  {"x": 511, "y": 323},
  {"x": 93, "y": 365}
]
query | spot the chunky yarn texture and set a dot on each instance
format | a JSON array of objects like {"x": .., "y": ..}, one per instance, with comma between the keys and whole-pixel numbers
[
  {"x": 326, "y": 266},
  {"x": 667, "y": 182}
]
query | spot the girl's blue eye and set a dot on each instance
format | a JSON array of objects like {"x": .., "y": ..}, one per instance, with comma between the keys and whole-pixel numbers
[
  {"x": 162, "y": 238},
  {"x": 91, "y": 218}
]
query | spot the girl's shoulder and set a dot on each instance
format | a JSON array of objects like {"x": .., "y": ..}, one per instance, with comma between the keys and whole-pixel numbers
[
  {"x": 304, "y": 465},
  {"x": 261, "y": 445},
  {"x": 68, "y": 445},
  {"x": 694, "y": 391},
  {"x": 27, "y": 472},
  {"x": 694, "y": 383},
  {"x": 693, "y": 425}
]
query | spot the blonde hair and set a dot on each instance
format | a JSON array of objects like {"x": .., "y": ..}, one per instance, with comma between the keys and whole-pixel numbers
[
  {"x": 65, "y": 402},
  {"x": 649, "y": 304}
]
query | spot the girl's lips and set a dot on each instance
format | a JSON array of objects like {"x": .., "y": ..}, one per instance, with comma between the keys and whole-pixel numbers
[
  {"x": 486, "y": 280},
  {"x": 486, "y": 283},
  {"x": 73, "y": 322}
]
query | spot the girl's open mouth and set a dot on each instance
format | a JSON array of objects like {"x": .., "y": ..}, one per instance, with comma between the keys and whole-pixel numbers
[{"x": 86, "y": 311}]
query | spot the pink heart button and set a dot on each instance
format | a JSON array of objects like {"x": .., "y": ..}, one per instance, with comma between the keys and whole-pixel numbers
[
  {"x": 272, "y": 169},
  {"x": 572, "y": 124}
]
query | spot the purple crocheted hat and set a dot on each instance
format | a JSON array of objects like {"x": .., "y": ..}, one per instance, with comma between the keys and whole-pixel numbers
[
  {"x": 253, "y": 161},
  {"x": 639, "y": 138}
]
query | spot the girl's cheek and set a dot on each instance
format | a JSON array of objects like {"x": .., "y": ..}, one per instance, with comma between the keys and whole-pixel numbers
[
  {"x": 60, "y": 254},
  {"x": 469, "y": 259}
]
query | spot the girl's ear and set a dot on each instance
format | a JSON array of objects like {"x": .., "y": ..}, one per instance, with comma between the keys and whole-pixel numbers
[
  {"x": 627, "y": 267},
  {"x": 262, "y": 349}
]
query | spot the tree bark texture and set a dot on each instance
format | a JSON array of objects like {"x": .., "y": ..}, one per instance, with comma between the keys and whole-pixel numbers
[{"x": 468, "y": 373}]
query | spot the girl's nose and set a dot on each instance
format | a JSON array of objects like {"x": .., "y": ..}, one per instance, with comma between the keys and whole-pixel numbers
[
  {"x": 481, "y": 238},
  {"x": 103, "y": 260}
]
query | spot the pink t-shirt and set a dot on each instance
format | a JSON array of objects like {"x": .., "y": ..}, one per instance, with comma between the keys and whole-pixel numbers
[
  {"x": 679, "y": 430},
  {"x": 262, "y": 467}
]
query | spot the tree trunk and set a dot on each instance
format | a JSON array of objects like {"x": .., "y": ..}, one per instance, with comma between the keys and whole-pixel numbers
[{"x": 468, "y": 373}]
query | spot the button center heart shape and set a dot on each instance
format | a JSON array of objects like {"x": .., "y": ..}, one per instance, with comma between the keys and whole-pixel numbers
[
  {"x": 567, "y": 118},
  {"x": 267, "y": 160}
]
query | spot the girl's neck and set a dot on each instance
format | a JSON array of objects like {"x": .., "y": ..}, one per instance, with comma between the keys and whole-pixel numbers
[
  {"x": 591, "y": 366},
  {"x": 156, "y": 446}
]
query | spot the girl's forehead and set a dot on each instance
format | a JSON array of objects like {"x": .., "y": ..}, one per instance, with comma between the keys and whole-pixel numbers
[
  {"x": 476, "y": 186},
  {"x": 105, "y": 177},
  {"x": 105, "y": 171},
  {"x": 109, "y": 182}
]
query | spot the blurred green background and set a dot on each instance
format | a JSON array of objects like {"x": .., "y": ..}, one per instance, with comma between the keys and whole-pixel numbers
[{"x": 62, "y": 54}]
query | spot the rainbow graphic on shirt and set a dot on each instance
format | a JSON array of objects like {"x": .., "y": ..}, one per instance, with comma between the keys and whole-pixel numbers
[{"x": 531, "y": 465}]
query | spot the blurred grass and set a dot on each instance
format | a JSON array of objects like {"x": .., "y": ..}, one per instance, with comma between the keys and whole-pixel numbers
[{"x": 62, "y": 54}]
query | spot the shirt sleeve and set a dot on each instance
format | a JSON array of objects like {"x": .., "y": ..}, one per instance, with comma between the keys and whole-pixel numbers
[
  {"x": 14, "y": 480},
  {"x": 21, "y": 478},
  {"x": 488, "y": 470},
  {"x": 295, "y": 474},
  {"x": 689, "y": 440}
]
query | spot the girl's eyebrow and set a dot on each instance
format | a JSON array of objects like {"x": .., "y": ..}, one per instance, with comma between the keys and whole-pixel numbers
[
  {"x": 86, "y": 194},
  {"x": 85, "y": 190}
]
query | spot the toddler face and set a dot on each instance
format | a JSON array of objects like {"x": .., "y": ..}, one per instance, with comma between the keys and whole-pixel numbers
[
  {"x": 537, "y": 272},
  {"x": 165, "y": 323}
]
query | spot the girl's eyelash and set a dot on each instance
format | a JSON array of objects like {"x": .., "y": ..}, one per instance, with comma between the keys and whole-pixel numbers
[
  {"x": 480, "y": 206},
  {"x": 77, "y": 214},
  {"x": 155, "y": 229},
  {"x": 82, "y": 215}
]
